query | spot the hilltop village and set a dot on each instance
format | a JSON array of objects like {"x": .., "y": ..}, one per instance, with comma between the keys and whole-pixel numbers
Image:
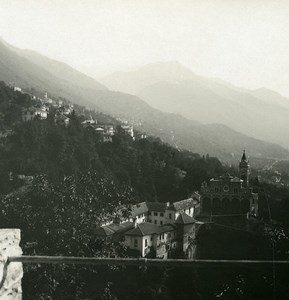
[
  {"x": 170, "y": 230},
  {"x": 62, "y": 111}
]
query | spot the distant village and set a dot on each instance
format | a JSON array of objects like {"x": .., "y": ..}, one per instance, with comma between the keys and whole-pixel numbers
[{"x": 63, "y": 111}]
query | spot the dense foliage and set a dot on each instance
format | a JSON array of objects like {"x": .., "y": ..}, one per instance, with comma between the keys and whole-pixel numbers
[{"x": 58, "y": 183}]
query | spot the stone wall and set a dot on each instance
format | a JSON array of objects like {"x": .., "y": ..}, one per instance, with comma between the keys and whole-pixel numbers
[{"x": 11, "y": 282}]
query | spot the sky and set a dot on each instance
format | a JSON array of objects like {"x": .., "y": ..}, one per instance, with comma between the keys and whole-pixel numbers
[{"x": 245, "y": 42}]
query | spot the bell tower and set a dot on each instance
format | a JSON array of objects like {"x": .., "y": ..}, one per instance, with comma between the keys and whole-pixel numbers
[{"x": 244, "y": 169}]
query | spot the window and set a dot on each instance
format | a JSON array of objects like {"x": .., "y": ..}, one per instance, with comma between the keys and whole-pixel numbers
[
  {"x": 163, "y": 236},
  {"x": 161, "y": 222},
  {"x": 146, "y": 242},
  {"x": 156, "y": 221},
  {"x": 151, "y": 238},
  {"x": 135, "y": 242},
  {"x": 155, "y": 214},
  {"x": 189, "y": 210},
  {"x": 216, "y": 190},
  {"x": 170, "y": 216},
  {"x": 161, "y": 214},
  {"x": 236, "y": 190}
]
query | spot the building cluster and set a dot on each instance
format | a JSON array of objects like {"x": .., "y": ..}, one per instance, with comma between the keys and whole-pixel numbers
[
  {"x": 169, "y": 230},
  {"x": 62, "y": 117},
  {"x": 45, "y": 105},
  {"x": 155, "y": 229}
]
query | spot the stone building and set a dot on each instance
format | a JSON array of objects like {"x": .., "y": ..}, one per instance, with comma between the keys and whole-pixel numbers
[{"x": 228, "y": 195}]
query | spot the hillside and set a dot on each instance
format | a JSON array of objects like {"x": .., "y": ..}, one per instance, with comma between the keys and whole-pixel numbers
[
  {"x": 173, "y": 88},
  {"x": 29, "y": 70}
]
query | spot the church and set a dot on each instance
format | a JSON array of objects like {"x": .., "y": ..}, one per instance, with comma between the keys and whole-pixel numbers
[{"x": 228, "y": 195}]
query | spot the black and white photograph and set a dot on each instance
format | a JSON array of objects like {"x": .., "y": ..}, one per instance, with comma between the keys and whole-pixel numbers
[{"x": 144, "y": 149}]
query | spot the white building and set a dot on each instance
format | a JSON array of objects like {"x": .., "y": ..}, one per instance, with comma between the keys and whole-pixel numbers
[{"x": 30, "y": 114}]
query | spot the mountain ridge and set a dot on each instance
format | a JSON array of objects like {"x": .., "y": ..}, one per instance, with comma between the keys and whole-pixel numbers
[
  {"x": 171, "y": 128},
  {"x": 258, "y": 113}
]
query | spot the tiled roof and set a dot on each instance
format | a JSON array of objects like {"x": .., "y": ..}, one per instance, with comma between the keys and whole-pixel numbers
[
  {"x": 184, "y": 219},
  {"x": 156, "y": 206},
  {"x": 166, "y": 228},
  {"x": 113, "y": 228},
  {"x": 183, "y": 204},
  {"x": 143, "y": 229},
  {"x": 146, "y": 228}
]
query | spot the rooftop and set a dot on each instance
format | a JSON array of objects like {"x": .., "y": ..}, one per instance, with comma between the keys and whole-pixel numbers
[
  {"x": 183, "y": 204},
  {"x": 184, "y": 219},
  {"x": 113, "y": 228}
]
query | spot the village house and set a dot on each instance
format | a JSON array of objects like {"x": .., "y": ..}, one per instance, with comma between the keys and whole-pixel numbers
[
  {"x": 149, "y": 239},
  {"x": 128, "y": 129},
  {"x": 30, "y": 113},
  {"x": 62, "y": 120}
]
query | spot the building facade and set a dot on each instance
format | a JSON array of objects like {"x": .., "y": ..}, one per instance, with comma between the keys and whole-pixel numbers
[{"x": 228, "y": 195}]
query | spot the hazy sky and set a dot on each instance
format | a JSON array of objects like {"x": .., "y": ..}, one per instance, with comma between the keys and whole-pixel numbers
[{"x": 245, "y": 42}]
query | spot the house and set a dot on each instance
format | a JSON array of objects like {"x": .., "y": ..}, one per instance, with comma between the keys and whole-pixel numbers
[
  {"x": 128, "y": 129},
  {"x": 62, "y": 120},
  {"x": 17, "y": 89},
  {"x": 148, "y": 239},
  {"x": 113, "y": 231},
  {"x": 88, "y": 123},
  {"x": 189, "y": 206},
  {"x": 30, "y": 113}
]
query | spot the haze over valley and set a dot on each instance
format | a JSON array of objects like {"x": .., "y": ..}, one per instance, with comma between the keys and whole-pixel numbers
[{"x": 179, "y": 122}]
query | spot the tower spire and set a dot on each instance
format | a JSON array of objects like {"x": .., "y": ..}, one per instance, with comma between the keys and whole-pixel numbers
[
  {"x": 244, "y": 158},
  {"x": 244, "y": 169}
]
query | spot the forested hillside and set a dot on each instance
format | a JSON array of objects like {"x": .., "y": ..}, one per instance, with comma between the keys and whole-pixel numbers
[
  {"x": 155, "y": 170},
  {"x": 76, "y": 182}
]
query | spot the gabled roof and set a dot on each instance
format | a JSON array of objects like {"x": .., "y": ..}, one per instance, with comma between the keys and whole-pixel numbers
[
  {"x": 183, "y": 204},
  {"x": 184, "y": 219},
  {"x": 145, "y": 207},
  {"x": 143, "y": 229},
  {"x": 146, "y": 228},
  {"x": 166, "y": 228},
  {"x": 113, "y": 228},
  {"x": 156, "y": 206}
]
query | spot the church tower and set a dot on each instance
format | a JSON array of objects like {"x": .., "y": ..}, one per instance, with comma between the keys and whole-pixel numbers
[{"x": 244, "y": 169}]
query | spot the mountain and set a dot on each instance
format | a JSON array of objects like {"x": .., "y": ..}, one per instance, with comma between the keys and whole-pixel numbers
[
  {"x": 134, "y": 81},
  {"x": 28, "y": 69},
  {"x": 172, "y": 87}
]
